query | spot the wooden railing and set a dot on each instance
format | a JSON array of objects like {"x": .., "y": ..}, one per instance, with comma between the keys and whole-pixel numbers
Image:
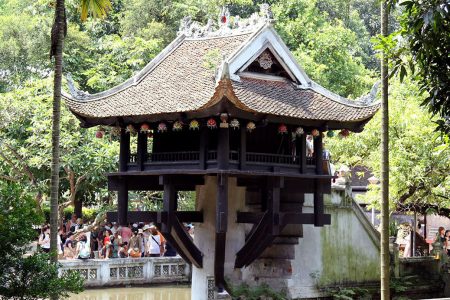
[
  {"x": 264, "y": 158},
  {"x": 234, "y": 156},
  {"x": 212, "y": 155},
  {"x": 174, "y": 156}
]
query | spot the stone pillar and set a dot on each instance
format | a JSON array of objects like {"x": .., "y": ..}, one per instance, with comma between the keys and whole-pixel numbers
[{"x": 204, "y": 237}]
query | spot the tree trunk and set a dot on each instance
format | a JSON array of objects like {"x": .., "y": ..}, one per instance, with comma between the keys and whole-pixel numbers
[
  {"x": 78, "y": 208},
  {"x": 385, "y": 259},
  {"x": 57, "y": 46}
]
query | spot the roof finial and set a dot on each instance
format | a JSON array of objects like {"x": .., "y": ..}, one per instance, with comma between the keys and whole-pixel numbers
[
  {"x": 76, "y": 93},
  {"x": 266, "y": 12},
  {"x": 224, "y": 70},
  {"x": 370, "y": 97}
]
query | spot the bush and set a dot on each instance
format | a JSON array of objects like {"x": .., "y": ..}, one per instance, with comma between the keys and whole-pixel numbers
[
  {"x": 262, "y": 291},
  {"x": 89, "y": 214}
]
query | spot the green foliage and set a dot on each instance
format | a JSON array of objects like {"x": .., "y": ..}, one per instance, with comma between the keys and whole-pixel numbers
[
  {"x": 26, "y": 276},
  {"x": 350, "y": 293},
  {"x": 419, "y": 158},
  {"x": 421, "y": 46},
  {"x": 89, "y": 214},
  {"x": 262, "y": 291}
]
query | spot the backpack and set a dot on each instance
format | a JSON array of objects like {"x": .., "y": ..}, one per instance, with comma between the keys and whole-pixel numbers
[{"x": 85, "y": 252}]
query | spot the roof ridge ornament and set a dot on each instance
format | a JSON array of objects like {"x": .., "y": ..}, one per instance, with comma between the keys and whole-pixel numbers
[
  {"x": 227, "y": 24},
  {"x": 223, "y": 72},
  {"x": 369, "y": 98},
  {"x": 74, "y": 91}
]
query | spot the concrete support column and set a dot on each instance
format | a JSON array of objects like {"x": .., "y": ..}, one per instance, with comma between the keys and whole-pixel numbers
[{"x": 205, "y": 234}]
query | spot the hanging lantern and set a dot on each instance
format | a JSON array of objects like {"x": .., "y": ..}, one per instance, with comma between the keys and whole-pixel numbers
[
  {"x": 145, "y": 128},
  {"x": 299, "y": 131},
  {"x": 315, "y": 133},
  {"x": 115, "y": 131},
  {"x": 330, "y": 133},
  {"x": 194, "y": 125},
  {"x": 131, "y": 129},
  {"x": 99, "y": 134},
  {"x": 212, "y": 124},
  {"x": 234, "y": 124},
  {"x": 162, "y": 127},
  {"x": 223, "y": 120},
  {"x": 177, "y": 126},
  {"x": 344, "y": 133},
  {"x": 282, "y": 129},
  {"x": 250, "y": 126}
]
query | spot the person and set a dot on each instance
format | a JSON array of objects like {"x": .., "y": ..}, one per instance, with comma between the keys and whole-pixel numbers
[
  {"x": 447, "y": 242},
  {"x": 440, "y": 237},
  {"x": 309, "y": 146},
  {"x": 123, "y": 250},
  {"x": 107, "y": 243},
  {"x": 44, "y": 239},
  {"x": 116, "y": 240},
  {"x": 60, "y": 246},
  {"x": 134, "y": 245},
  {"x": 70, "y": 225},
  {"x": 83, "y": 250},
  {"x": 79, "y": 224},
  {"x": 146, "y": 236},
  {"x": 114, "y": 228},
  {"x": 125, "y": 232},
  {"x": 69, "y": 250},
  {"x": 155, "y": 245},
  {"x": 170, "y": 250}
]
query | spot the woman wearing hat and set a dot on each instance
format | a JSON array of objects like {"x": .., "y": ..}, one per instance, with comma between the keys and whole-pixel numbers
[{"x": 134, "y": 245}]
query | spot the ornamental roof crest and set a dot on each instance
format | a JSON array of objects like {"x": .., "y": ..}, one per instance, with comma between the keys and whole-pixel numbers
[{"x": 226, "y": 24}]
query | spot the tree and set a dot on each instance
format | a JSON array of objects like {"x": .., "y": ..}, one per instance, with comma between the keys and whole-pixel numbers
[
  {"x": 422, "y": 45},
  {"x": 26, "y": 276},
  {"x": 59, "y": 31}
]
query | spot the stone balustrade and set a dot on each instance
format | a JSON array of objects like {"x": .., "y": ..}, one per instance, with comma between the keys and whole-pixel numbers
[{"x": 126, "y": 271}]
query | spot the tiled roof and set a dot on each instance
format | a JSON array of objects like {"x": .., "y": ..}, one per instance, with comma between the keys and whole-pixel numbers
[
  {"x": 283, "y": 99},
  {"x": 179, "y": 80}
]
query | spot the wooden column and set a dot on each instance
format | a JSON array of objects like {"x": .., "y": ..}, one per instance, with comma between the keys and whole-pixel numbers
[
  {"x": 302, "y": 153},
  {"x": 169, "y": 205},
  {"x": 318, "y": 203},
  {"x": 203, "y": 147},
  {"x": 221, "y": 230},
  {"x": 122, "y": 202},
  {"x": 318, "y": 153},
  {"x": 243, "y": 148},
  {"x": 124, "y": 155},
  {"x": 223, "y": 148},
  {"x": 273, "y": 203},
  {"x": 141, "y": 150}
]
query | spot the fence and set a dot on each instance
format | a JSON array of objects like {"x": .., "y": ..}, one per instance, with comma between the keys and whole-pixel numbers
[{"x": 126, "y": 271}]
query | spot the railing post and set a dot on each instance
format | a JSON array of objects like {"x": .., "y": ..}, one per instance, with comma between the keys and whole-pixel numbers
[
  {"x": 124, "y": 155},
  {"x": 203, "y": 148}
]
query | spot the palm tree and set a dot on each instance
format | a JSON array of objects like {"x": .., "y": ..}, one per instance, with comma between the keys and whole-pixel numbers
[
  {"x": 385, "y": 259},
  {"x": 98, "y": 8}
]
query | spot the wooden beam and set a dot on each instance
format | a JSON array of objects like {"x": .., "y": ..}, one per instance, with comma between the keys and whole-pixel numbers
[
  {"x": 124, "y": 154},
  {"x": 285, "y": 218},
  {"x": 152, "y": 182}
]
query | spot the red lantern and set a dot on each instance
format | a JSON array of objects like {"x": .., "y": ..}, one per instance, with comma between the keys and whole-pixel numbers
[
  {"x": 344, "y": 133},
  {"x": 212, "y": 124},
  {"x": 223, "y": 19},
  {"x": 315, "y": 132},
  {"x": 145, "y": 128},
  {"x": 282, "y": 129},
  {"x": 162, "y": 127},
  {"x": 99, "y": 134}
]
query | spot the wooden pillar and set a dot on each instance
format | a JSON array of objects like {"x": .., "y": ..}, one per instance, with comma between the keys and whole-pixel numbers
[
  {"x": 124, "y": 155},
  {"x": 122, "y": 203},
  {"x": 203, "y": 147},
  {"x": 273, "y": 203},
  {"x": 318, "y": 203},
  {"x": 221, "y": 231},
  {"x": 141, "y": 150},
  {"x": 223, "y": 148},
  {"x": 169, "y": 204},
  {"x": 243, "y": 149},
  {"x": 318, "y": 153},
  {"x": 302, "y": 153}
]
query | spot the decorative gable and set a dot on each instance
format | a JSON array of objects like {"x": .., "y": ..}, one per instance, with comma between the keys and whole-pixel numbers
[{"x": 267, "y": 63}]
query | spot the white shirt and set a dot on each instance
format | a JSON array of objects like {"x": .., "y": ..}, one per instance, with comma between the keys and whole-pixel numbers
[
  {"x": 153, "y": 244},
  {"x": 44, "y": 239}
]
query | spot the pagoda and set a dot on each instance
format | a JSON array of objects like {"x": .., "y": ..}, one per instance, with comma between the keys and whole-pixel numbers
[{"x": 229, "y": 113}]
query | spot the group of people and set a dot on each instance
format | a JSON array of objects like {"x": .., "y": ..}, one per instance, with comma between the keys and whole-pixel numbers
[
  {"x": 108, "y": 241},
  {"x": 443, "y": 237}
]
